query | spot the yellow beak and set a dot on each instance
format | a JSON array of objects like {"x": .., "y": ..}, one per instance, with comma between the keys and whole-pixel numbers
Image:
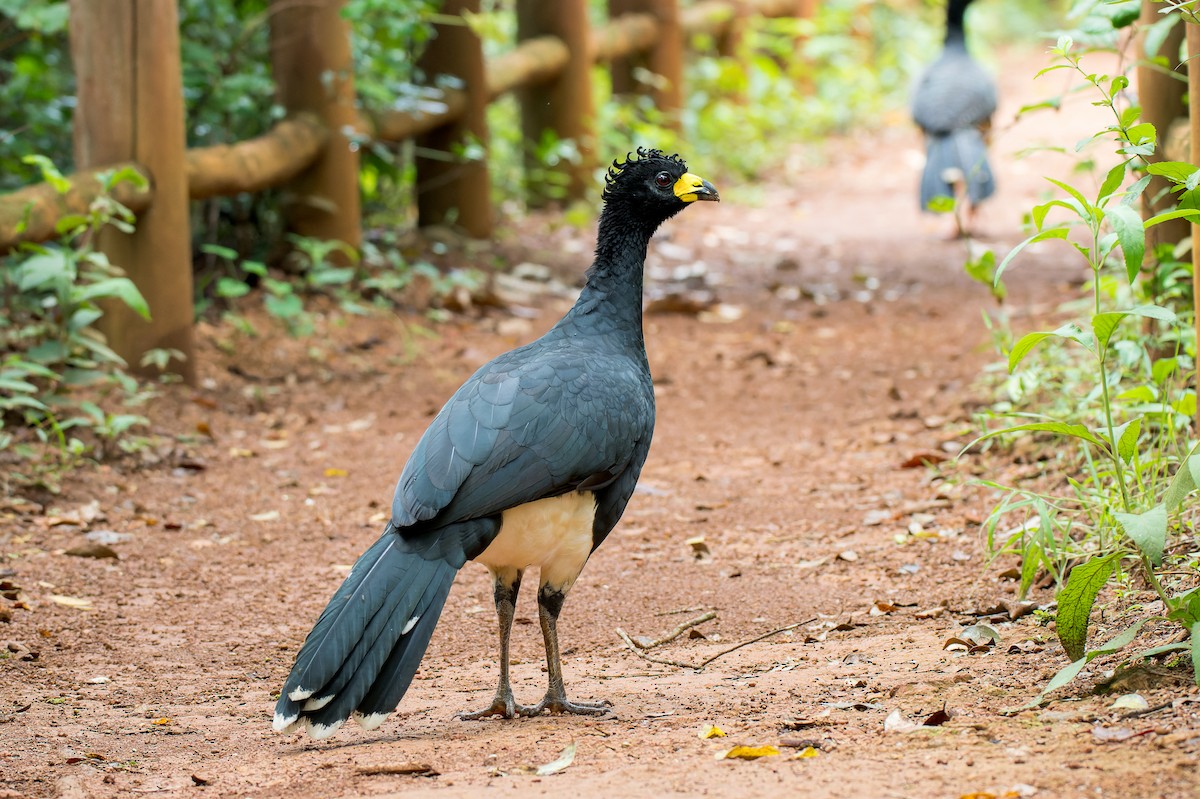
[{"x": 690, "y": 188}]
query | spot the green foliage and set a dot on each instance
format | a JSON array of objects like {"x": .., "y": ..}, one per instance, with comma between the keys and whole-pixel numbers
[
  {"x": 37, "y": 87},
  {"x": 1127, "y": 409},
  {"x": 57, "y": 373}
]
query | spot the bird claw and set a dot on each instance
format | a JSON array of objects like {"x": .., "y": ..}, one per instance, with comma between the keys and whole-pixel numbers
[
  {"x": 504, "y": 707},
  {"x": 560, "y": 704}
]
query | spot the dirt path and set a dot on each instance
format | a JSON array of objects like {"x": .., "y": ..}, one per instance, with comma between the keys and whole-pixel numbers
[{"x": 781, "y": 441}]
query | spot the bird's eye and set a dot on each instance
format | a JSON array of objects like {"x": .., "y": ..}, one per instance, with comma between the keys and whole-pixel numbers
[{"x": 663, "y": 179}]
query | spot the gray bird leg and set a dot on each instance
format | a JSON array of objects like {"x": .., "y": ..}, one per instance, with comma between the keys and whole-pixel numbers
[
  {"x": 550, "y": 603},
  {"x": 506, "y": 586}
]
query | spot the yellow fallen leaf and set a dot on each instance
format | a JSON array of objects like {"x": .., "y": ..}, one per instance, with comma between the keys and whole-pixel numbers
[
  {"x": 553, "y": 767},
  {"x": 805, "y": 753},
  {"x": 748, "y": 752},
  {"x": 333, "y": 471},
  {"x": 71, "y": 601},
  {"x": 162, "y": 721},
  {"x": 711, "y": 731}
]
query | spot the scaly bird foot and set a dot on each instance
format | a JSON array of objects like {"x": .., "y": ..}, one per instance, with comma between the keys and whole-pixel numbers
[
  {"x": 503, "y": 706},
  {"x": 560, "y": 704}
]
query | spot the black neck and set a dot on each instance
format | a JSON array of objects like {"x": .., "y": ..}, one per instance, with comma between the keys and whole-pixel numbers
[
  {"x": 614, "y": 281},
  {"x": 955, "y": 12}
]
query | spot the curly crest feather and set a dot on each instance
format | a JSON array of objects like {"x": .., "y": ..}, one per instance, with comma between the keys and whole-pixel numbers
[{"x": 643, "y": 154}]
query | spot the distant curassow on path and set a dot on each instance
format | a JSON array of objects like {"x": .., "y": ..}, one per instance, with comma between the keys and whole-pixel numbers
[
  {"x": 953, "y": 105},
  {"x": 530, "y": 463}
]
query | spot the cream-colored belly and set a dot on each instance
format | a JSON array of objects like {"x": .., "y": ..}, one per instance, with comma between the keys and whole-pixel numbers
[{"x": 553, "y": 534}]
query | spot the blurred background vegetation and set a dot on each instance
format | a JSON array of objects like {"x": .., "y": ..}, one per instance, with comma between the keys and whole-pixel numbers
[{"x": 752, "y": 110}]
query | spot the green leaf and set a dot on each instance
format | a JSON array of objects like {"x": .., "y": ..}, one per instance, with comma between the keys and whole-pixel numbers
[
  {"x": 1174, "y": 171},
  {"x": 1124, "y": 17},
  {"x": 1163, "y": 368},
  {"x": 1030, "y": 562},
  {"x": 1182, "y": 483},
  {"x": 1060, "y": 232},
  {"x": 284, "y": 307},
  {"x": 16, "y": 386},
  {"x": 1076, "y": 598},
  {"x": 1113, "y": 181},
  {"x": 1127, "y": 224},
  {"x": 1148, "y": 530},
  {"x": 1127, "y": 438},
  {"x": 941, "y": 204},
  {"x": 1062, "y": 428},
  {"x": 1028, "y": 341},
  {"x": 1086, "y": 210},
  {"x": 1185, "y": 607},
  {"x": 1071, "y": 671},
  {"x": 39, "y": 270},
  {"x": 1167, "y": 216},
  {"x": 231, "y": 287},
  {"x": 219, "y": 251},
  {"x": 1143, "y": 133},
  {"x": 120, "y": 288},
  {"x": 1103, "y": 324}
]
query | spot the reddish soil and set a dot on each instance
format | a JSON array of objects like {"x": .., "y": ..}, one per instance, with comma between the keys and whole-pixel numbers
[{"x": 781, "y": 441}]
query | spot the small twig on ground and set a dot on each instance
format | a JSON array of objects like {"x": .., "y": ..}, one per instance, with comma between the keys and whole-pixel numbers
[
  {"x": 698, "y": 666},
  {"x": 671, "y": 636},
  {"x": 677, "y": 611},
  {"x": 1134, "y": 714},
  {"x": 415, "y": 769}
]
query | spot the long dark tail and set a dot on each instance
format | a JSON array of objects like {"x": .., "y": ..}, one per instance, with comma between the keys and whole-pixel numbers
[
  {"x": 362, "y": 654},
  {"x": 958, "y": 156}
]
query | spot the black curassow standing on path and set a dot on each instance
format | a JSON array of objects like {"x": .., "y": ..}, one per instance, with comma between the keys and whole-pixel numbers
[
  {"x": 953, "y": 105},
  {"x": 530, "y": 463}
]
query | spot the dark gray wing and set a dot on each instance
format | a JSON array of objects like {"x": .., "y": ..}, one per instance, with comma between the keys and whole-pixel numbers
[{"x": 524, "y": 427}]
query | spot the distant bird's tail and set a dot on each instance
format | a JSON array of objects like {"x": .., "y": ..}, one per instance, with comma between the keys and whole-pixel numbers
[
  {"x": 953, "y": 159},
  {"x": 362, "y": 654}
]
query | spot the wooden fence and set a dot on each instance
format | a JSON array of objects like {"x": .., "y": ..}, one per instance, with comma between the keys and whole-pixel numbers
[{"x": 130, "y": 114}]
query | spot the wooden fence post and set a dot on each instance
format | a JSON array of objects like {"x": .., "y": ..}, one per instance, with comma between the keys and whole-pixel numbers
[
  {"x": 563, "y": 105},
  {"x": 451, "y": 189},
  {"x": 1161, "y": 97},
  {"x": 664, "y": 59},
  {"x": 130, "y": 108},
  {"x": 314, "y": 71}
]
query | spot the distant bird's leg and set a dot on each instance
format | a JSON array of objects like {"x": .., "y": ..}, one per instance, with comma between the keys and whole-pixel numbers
[
  {"x": 507, "y": 584},
  {"x": 550, "y": 602}
]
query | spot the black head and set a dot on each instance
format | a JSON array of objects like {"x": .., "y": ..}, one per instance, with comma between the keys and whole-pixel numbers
[{"x": 654, "y": 186}]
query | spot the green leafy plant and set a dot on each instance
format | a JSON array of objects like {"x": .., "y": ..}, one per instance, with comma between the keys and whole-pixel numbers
[
  {"x": 57, "y": 373},
  {"x": 1121, "y": 499}
]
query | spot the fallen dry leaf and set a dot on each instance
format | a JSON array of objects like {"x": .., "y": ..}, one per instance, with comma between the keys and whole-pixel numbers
[
  {"x": 558, "y": 764},
  {"x": 805, "y": 753},
  {"x": 92, "y": 549},
  {"x": 1130, "y": 702},
  {"x": 71, "y": 601},
  {"x": 924, "y": 458},
  {"x": 848, "y": 555},
  {"x": 267, "y": 516},
  {"x": 897, "y": 722},
  {"x": 711, "y": 731},
  {"x": 937, "y": 718},
  {"x": 748, "y": 752},
  {"x": 333, "y": 471}
]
